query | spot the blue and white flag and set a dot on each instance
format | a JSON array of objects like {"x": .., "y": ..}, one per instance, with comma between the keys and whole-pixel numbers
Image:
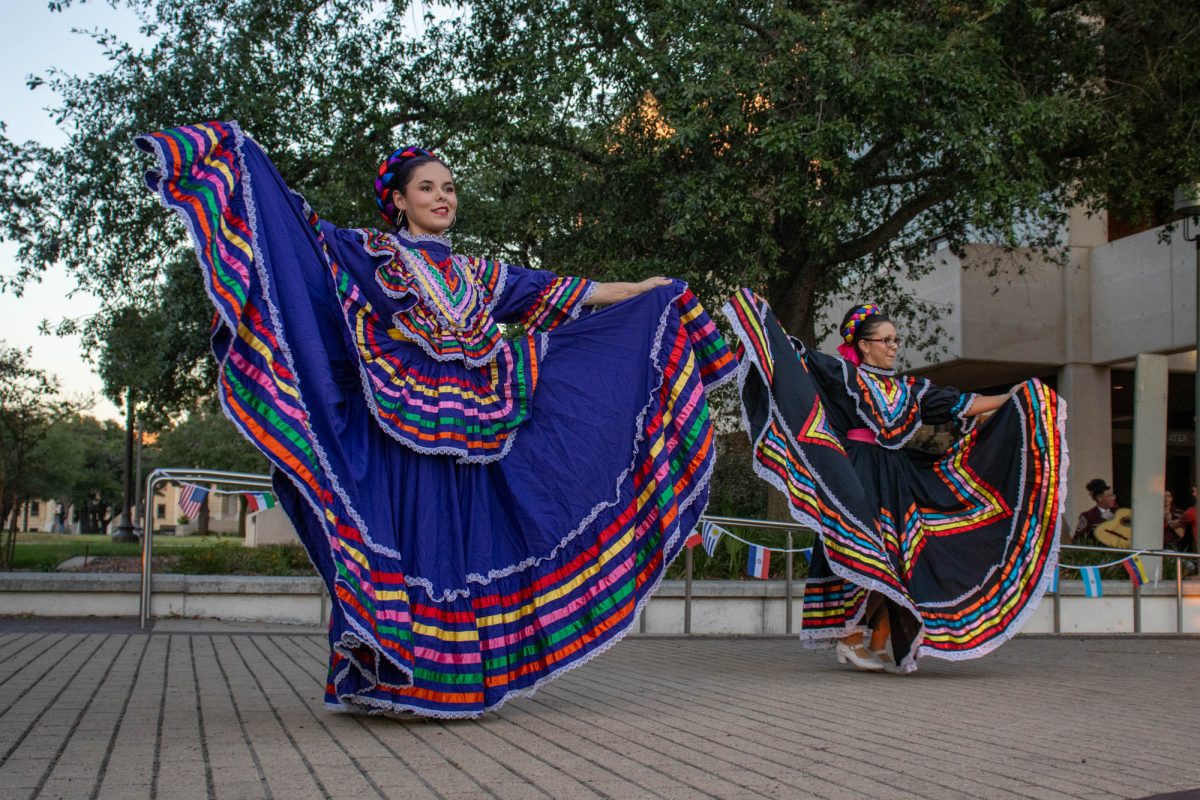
[
  {"x": 1092, "y": 586},
  {"x": 759, "y": 561},
  {"x": 711, "y": 535}
]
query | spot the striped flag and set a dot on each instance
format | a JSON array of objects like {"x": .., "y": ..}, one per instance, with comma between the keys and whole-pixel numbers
[
  {"x": 1137, "y": 572},
  {"x": 191, "y": 498},
  {"x": 712, "y": 535},
  {"x": 1092, "y": 586},
  {"x": 759, "y": 561},
  {"x": 257, "y": 501}
]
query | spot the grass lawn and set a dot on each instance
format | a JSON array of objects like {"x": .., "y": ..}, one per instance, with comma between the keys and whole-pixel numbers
[{"x": 43, "y": 552}]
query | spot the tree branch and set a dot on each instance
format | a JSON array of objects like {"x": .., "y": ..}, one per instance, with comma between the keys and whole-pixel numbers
[
  {"x": 891, "y": 227},
  {"x": 763, "y": 33},
  {"x": 906, "y": 177},
  {"x": 877, "y": 155}
]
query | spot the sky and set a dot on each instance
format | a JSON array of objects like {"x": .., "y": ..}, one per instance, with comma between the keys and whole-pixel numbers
[{"x": 37, "y": 39}]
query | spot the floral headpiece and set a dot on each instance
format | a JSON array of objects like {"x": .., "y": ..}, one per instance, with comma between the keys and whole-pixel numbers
[{"x": 388, "y": 171}]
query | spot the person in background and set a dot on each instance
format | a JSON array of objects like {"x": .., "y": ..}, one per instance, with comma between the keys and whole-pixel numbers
[{"x": 1106, "y": 505}]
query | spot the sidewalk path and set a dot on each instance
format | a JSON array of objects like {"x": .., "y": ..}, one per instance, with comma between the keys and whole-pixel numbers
[{"x": 98, "y": 709}]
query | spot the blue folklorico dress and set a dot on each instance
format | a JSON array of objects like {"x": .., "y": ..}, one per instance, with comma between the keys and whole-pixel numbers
[
  {"x": 962, "y": 545},
  {"x": 487, "y": 512}
]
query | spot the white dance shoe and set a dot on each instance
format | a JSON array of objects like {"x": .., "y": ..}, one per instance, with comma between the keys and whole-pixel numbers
[{"x": 859, "y": 656}]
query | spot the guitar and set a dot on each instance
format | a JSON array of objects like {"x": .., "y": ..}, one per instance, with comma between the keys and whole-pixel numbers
[{"x": 1116, "y": 532}]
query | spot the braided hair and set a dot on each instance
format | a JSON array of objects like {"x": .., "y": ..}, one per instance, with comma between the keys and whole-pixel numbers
[
  {"x": 861, "y": 321},
  {"x": 395, "y": 173}
]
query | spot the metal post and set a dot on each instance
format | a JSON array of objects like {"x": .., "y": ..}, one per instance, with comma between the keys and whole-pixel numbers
[
  {"x": 1137, "y": 608},
  {"x": 125, "y": 528},
  {"x": 147, "y": 552},
  {"x": 787, "y": 586},
  {"x": 243, "y": 480},
  {"x": 137, "y": 483},
  {"x": 1196, "y": 379},
  {"x": 687, "y": 591},
  {"x": 1179, "y": 594},
  {"x": 1187, "y": 205},
  {"x": 1058, "y": 607}
]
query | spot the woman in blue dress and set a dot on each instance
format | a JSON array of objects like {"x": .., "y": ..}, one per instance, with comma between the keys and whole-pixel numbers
[
  {"x": 487, "y": 511},
  {"x": 941, "y": 555}
]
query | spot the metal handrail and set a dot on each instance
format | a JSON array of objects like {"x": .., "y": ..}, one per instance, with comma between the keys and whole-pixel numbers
[
  {"x": 792, "y": 527},
  {"x": 241, "y": 480},
  {"x": 254, "y": 481},
  {"x": 1177, "y": 555}
]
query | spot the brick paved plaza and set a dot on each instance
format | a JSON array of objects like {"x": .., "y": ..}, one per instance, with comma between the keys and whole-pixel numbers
[{"x": 97, "y": 709}]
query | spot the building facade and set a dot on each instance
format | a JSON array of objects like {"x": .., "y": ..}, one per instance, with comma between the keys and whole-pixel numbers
[{"x": 1114, "y": 332}]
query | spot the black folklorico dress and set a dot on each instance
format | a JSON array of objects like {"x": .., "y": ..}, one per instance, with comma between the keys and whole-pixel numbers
[{"x": 962, "y": 545}]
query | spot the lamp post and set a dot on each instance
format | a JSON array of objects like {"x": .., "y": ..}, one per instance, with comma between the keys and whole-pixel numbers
[
  {"x": 125, "y": 531},
  {"x": 1187, "y": 203}
]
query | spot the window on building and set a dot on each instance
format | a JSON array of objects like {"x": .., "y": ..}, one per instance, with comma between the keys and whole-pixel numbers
[
  {"x": 160, "y": 511},
  {"x": 35, "y": 507}
]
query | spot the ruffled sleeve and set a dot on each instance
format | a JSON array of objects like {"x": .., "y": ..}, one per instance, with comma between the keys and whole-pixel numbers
[
  {"x": 945, "y": 404},
  {"x": 538, "y": 299}
]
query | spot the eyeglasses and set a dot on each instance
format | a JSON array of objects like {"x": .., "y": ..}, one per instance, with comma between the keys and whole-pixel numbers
[{"x": 889, "y": 342}]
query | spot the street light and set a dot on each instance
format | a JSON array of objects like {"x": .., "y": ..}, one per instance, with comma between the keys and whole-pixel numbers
[
  {"x": 1187, "y": 203},
  {"x": 125, "y": 530}
]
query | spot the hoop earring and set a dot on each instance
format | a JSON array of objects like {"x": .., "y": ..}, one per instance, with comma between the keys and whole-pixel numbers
[
  {"x": 400, "y": 219},
  {"x": 450, "y": 227}
]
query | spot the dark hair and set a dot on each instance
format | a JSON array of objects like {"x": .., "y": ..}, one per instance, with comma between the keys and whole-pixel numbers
[
  {"x": 1097, "y": 487},
  {"x": 861, "y": 321},
  {"x": 395, "y": 173}
]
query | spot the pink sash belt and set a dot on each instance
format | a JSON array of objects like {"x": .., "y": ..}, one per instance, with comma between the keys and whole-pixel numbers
[{"x": 865, "y": 435}]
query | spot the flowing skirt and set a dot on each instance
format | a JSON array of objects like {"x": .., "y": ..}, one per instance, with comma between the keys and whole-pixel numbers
[
  {"x": 455, "y": 585},
  {"x": 962, "y": 545}
]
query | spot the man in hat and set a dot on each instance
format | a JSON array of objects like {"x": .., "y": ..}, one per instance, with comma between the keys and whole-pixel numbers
[{"x": 1106, "y": 504}]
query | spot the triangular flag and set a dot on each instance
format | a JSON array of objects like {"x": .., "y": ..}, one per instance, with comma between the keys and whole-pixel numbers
[{"x": 807, "y": 553}]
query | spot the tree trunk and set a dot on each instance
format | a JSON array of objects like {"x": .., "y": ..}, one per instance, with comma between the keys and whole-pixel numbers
[
  {"x": 242, "y": 516},
  {"x": 791, "y": 297},
  {"x": 9, "y": 509},
  {"x": 202, "y": 519}
]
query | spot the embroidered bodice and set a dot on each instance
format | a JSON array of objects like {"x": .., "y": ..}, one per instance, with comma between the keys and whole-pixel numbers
[
  {"x": 893, "y": 407},
  {"x": 424, "y": 325},
  {"x": 444, "y": 300}
]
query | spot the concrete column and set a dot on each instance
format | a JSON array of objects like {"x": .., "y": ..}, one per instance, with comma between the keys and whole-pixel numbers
[
  {"x": 1088, "y": 392},
  {"x": 1149, "y": 453}
]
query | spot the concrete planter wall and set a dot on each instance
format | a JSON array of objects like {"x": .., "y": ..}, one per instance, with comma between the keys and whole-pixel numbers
[
  {"x": 718, "y": 607},
  {"x": 261, "y": 599}
]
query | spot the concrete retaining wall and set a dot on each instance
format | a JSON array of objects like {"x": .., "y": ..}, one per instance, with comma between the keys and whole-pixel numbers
[
  {"x": 261, "y": 599},
  {"x": 718, "y": 607}
]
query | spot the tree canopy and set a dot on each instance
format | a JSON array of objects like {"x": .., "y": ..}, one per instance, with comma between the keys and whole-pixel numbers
[{"x": 803, "y": 148}]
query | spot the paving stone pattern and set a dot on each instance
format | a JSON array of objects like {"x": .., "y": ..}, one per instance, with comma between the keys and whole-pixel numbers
[{"x": 110, "y": 713}]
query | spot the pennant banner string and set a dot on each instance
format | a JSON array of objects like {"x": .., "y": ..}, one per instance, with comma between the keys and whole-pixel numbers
[
  {"x": 1107, "y": 564},
  {"x": 263, "y": 490},
  {"x": 725, "y": 532}
]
